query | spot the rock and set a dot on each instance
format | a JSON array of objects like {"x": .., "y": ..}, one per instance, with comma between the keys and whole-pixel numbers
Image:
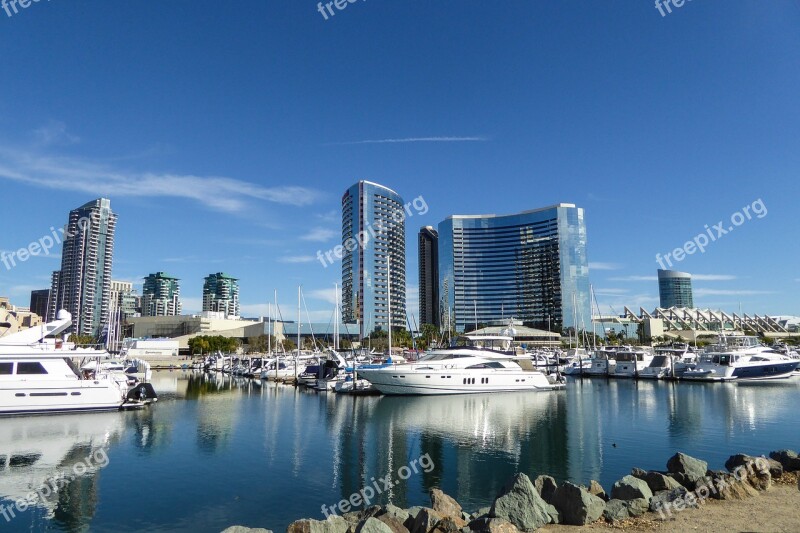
[
  {"x": 657, "y": 482},
  {"x": 576, "y": 505},
  {"x": 638, "y": 506},
  {"x": 353, "y": 517},
  {"x": 244, "y": 529},
  {"x": 631, "y": 488},
  {"x": 444, "y": 504},
  {"x": 596, "y": 489},
  {"x": 616, "y": 510},
  {"x": 333, "y": 524},
  {"x": 373, "y": 525},
  {"x": 687, "y": 470},
  {"x": 638, "y": 472},
  {"x": 726, "y": 487},
  {"x": 393, "y": 523},
  {"x": 664, "y": 502},
  {"x": 492, "y": 525},
  {"x": 483, "y": 511},
  {"x": 449, "y": 524},
  {"x": 465, "y": 516},
  {"x": 425, "y": 521},
  {"x": 788, "y": 459},
  {"x": 754, "y": 470},
  {"x": 401, "y": 515},
  {"x": 546, "y": 486},
  {"x": 412, "y": 515},
  {"x": 552, "y": 512},
  {"x": 520, "y": 504},
  {"x": 775, "y": 468}
]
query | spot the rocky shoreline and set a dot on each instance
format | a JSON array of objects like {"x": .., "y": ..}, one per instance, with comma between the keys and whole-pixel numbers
[{"x": 527, "y": 505}]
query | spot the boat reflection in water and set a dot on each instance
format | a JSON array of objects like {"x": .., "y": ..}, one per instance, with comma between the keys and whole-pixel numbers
[
  {"x": 67, "y": 452},
  {"x": 475, "y": 442}
]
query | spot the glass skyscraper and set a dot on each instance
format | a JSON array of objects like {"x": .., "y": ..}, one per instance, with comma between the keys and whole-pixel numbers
[
  {"x": 428, "y": 241},
  {"x": 373, "y": 228},
  {"x": 675, "y": 289},
  {"x": 83, "y": 285},
  {"x": 530, "y": 266}
]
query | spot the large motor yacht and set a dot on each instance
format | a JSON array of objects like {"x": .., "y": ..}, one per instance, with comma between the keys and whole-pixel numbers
[
  {"x": 472, "y": 365},
  {"x": 741, "y": 358},
  {"x": 38, "y": 375}
]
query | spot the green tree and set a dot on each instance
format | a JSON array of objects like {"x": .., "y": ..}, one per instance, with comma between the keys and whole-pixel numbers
[{"x": 82, "y": 340}]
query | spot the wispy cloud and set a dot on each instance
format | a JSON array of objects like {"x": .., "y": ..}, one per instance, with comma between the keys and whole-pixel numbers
[
  {"x": 635, "y": 278},
  {"x": 294, "y": 259},
  {"x": 713, "y": 277},
  {"x": 415, "y": 140},
  {"x": 327, "y": 295},
  {"x": 54, "y": 133},
  {"x": 90, "y": 177},
  {"x": 604, "y": 266},
  {"x": 727, "y": 292},
  {"x": 610, "y": 292},
  {"x": 320, "y": 235}
]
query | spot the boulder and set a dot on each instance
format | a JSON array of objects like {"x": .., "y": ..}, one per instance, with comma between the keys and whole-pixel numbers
[
  {"x": 596, "y": 489},
  {"x": 373, "y": 525},
  {"x": 520, "y": 504},
  {"x": 483, "y": 511},
  {"x": 333, "y": 524},
  {"x": 788, "y": 459},
  {"x": 664, "y": 502},
  {"x": 444, "y": 504},
  {"x": 754, "y": 470},
  {"x": 449, "y": 524},
  {"x": 687, "y": 470},
  {"x": 775, "y": 468},
  {"x": 657, "y": 482},
  {"x": 425, "y": 521},
  {"x": 726, "y": 487},
  {"x": 401, "y": 515},
  {"x": 393, "y": 523},
  {"x": 244, "y": 529},
  {"x": 492, "y": 525},
  {"x": 576, "y": 505},
  {"x": 616, "y": 510},
  {"x": 412, "y": 515},
  {"x": 552, "y": 512},
  {"x": 638, "y": 472},
  {"x": 546, "y": 486},
  {"x": 631, "y": 488},
  {"x": 638, "y": 506}
]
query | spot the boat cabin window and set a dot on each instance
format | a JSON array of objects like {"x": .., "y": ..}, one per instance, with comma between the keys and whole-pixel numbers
[
  {"x": 6, "y": 369},
  {"x": 30, "y": 369}
]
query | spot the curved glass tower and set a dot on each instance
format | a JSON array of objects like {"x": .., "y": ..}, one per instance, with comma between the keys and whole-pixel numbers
[
  {"x": 675, "y": 289},
  {"x": 373, "y": 228},
  {"x": 530, "y": 266}
]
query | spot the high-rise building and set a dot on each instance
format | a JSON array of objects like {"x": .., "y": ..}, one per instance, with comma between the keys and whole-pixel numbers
[
  {"x": 530, "y": 266},
  {"x": 675, "y": 289},
  {"x": 161, "y": 295},
  {"x": 83, "y": 285},
  {"x": 429, "y": 276},
  {"x": 221, "y": 294},
  {"x": 39, "y": 302},
  {"x": 123, "y": 299},
  {"x": 373, "y": 233}
]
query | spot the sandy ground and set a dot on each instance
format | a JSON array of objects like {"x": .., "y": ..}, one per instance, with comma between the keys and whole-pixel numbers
[{"x": 777, "y": 510}]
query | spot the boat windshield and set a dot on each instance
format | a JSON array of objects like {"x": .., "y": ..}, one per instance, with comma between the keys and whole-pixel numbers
[{"x": 660, "y": 361}]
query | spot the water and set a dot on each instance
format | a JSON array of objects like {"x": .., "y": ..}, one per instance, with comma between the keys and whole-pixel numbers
[{"x": 217, "y": 451}]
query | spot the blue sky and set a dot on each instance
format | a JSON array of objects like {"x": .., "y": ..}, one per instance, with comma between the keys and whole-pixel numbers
[{"x": 226, "y": 133}]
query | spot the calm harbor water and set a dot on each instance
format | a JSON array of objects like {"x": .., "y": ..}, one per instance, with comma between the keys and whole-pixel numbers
[{"x": 217, "y": 451}]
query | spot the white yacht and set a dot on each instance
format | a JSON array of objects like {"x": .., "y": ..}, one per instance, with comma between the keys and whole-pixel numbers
[
  {"x": 40, "y": 376},
  {"x": 741, "y": 358},
  {"x": 603, "y": 363},
  {"x": 451, "y": 372},
  {"x": 669, "y": 361},
  {"x": 631, "y": 362}
]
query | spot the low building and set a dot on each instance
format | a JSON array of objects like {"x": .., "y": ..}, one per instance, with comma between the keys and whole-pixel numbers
[{"x": 524, "y": 336}]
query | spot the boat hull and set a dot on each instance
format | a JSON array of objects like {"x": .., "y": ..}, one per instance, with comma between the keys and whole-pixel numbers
[{"x": 455, "y": 381}]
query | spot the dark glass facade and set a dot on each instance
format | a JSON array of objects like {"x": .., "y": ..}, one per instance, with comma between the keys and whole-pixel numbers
[
  {"x": 429, "y": 276},
  {"x": 675, "y": 289},
  {"x": 531, "y": 266}
]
